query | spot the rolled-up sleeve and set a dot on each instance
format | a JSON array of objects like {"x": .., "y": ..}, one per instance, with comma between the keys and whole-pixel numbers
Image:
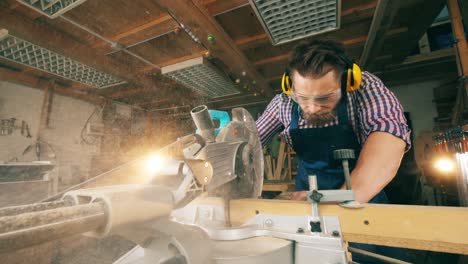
[
  {"x": 381, "y": 111},
  {"x": 269, "y": 123}
]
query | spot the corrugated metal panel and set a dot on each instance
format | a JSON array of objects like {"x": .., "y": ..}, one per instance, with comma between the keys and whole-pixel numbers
[
  {"x": 290, "y": 20},
  {"x": 20, "y": 51},
  {"x": 199, "y": 75},
  {"x": 52, "y": 8}
]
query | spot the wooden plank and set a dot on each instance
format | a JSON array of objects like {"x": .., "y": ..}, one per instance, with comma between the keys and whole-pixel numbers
[
  {"x": 216, "y": 8},
  {"x": 195, "y": 54},
  {"x": 280, "y": 162},
  {"x": 166, "y": 48},
  {"x": 241, "y": 23},
  {"x": 133, "y": 30},
  {"x": 113, "y": 17},
  {"x": 277, "y": 187},
  {"x": 196, "y": 18},
  {"x": 418, "y": 227},
  {"x": 268, "y": 167}
]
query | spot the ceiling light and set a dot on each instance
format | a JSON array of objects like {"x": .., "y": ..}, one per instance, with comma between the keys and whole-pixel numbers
[
  {"x": 23, "y": 52},
  {"x": 290, "y": 20},
  {"x": 199, "y": 75}
]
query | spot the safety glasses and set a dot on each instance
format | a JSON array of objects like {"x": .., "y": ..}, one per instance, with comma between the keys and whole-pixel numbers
[{"x": 325, "y": 99}]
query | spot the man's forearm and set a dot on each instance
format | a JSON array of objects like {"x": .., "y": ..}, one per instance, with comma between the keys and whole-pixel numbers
[{"x": 377, "y": 165}]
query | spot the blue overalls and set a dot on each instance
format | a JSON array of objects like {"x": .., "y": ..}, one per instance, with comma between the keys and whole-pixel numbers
[{"x": 314, "y": 148}]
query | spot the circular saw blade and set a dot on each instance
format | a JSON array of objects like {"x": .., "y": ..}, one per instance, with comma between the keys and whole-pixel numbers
[{"x": 249, "y": 157}]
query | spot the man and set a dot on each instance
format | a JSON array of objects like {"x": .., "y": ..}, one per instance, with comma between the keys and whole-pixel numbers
[
  {"x": 324, "y": 112},
  {"x": 328, "y": 104}
]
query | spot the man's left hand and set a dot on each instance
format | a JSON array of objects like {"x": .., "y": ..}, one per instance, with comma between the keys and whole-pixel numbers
[{"x": 299, "y": 196}]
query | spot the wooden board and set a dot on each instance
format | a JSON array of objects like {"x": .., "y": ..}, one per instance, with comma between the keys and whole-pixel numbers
[
  {"x": 418, "y": 227},
  {"x": 278, "y": 187},
  {"x": 112, "y": 17},
  {"x": 167, "y": 47},
  {"x": 280, "y": 162},
  {"x": 240, "y": 23}
]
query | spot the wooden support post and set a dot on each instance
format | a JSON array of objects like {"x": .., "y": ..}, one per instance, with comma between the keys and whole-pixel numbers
[
  {"x": 434, "y": 228},
  {"x": 459, "y": 34}
]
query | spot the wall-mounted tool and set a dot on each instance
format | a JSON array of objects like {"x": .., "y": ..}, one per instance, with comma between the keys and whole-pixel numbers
[{"x": 7, "y": 126}]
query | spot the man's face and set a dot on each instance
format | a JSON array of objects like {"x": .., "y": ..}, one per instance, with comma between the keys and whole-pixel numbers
[{"x": 317, "y": 97}]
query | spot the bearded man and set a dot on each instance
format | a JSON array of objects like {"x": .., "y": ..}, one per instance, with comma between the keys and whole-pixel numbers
[{"x": 328, "y": 104}]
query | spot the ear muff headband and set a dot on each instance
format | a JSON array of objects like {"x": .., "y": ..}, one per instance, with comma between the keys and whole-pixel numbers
[
  {"x": 286, "y": 84},
  {"x": 353, "y": 78}
]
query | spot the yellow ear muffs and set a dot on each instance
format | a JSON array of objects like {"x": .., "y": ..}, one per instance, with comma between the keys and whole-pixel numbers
[
  {"x": 286, "y": 84},
  {"x": 353, "y": 80}
]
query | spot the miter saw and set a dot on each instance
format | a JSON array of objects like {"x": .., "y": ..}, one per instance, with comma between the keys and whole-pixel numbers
[{"x": 181, "y": 214}]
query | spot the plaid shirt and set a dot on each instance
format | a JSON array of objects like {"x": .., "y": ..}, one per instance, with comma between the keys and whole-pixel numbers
[{"x": 371, "y": 108}]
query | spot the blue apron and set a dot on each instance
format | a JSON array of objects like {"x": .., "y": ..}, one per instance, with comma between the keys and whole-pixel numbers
[{"x": 314, "y": 148}]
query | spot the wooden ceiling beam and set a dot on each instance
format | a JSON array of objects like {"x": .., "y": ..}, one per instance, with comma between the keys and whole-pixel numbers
[
  {"x": 216, "y": 8},
  {"x": 426, "y": 14},
  {"x": 447, "y": 53},
  {"x": 253, "y": 41},
  {"x": 165, "y": 24},
  {"x": 383, "y": 19},
  {"x": 280, "y": 58},
  {"x": 356, "y": 11},
  {"x": 197, "y": 19},
  {"x": 284, "y": 57}
]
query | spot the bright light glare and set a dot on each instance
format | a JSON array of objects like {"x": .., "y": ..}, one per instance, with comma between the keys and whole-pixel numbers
[
  {"x": 445, "y": 165},
  {"x": 154, "y": 163}
]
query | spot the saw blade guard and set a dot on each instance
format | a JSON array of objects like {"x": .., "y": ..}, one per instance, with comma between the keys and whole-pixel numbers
[{"x": 248, "y": 161}]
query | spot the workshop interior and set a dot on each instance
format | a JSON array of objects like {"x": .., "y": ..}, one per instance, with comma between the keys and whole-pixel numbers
[{"x": 128, "y": 132}]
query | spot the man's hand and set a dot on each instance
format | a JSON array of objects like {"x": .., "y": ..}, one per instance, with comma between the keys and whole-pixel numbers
[{"x": 299, "y": 196}]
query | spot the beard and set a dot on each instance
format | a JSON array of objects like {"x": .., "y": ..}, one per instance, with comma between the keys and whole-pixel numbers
[{"x": 319, "y": 119}]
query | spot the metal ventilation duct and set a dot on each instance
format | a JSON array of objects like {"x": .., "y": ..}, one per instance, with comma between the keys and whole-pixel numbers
[
  {"x": 290, "y": 20},
  {"x": 52, "y": 8},
  {"x": 199, "y": 75},
  {"x": 20, "y": 51}
]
